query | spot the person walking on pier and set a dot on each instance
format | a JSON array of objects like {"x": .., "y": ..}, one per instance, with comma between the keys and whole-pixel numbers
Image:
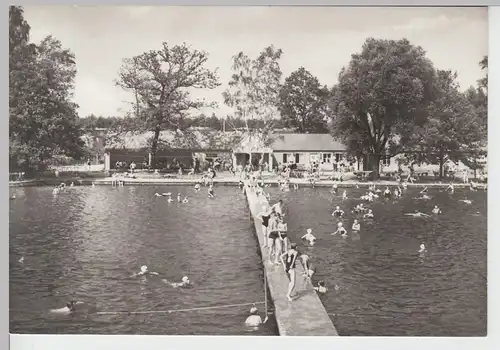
[
  {"x": 265, "y": 217},
  {"x": 288, "y": 259}
]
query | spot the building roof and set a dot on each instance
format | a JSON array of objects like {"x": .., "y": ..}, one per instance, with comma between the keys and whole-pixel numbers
[{"x": 306, "y": 143}]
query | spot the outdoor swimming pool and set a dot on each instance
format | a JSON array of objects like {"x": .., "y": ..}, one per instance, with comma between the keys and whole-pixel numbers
[
  {"x": 385, "y": 287},
  {"x": 86, "y": 242}
]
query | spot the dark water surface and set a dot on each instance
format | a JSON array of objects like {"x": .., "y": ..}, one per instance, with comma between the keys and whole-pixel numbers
[
  {"x": 385, "y": 286},
  {"x": 85, "y": 243}
]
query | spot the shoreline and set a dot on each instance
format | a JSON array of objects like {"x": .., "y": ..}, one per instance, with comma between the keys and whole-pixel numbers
[{"x": 222, "y": 180}]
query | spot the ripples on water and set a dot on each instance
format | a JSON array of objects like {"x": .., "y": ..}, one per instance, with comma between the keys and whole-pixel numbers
[
  {"x": 382, "y": 279},
  {"x": 86, "y": 242}
]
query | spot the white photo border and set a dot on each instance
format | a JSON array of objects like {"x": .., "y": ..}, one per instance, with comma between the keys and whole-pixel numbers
[{"x": 135, "y": 342}]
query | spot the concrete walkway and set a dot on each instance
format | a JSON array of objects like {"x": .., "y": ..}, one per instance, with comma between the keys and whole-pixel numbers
[{"x": 305, "y": 315}]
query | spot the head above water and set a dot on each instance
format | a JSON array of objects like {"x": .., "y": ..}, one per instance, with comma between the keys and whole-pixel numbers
[
  {"x": 422, "y": 246},
  {"x": 337, "y": 207},
  {"x": 309, "y": 231},
  {"x": 254, "y": 310},
  {"x": 293, "y": 246},
  {"x": 185, "y": 279},
  {"x": 144, "y": 268},
  {"x": 321, "y": 283},
  {"x": 339, "y": 224}
]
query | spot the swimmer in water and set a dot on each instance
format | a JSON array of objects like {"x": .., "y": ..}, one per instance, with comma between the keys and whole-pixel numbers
[
  {"x": 71, "y": 184},
  {"x": 424, "y": 190},
  {"x": 338, "y": 212},
  {"x": 197, "y": 187},
  {"x": 309, "y": 237},
  {"x": 356, "y": 227},
  {"x": 340, "y": 229},
  {"x": 185, "y": 200},
  {"x": 158, "y": 195},
  {"x": 436, "y": 210},
  {"x": 178, "y": 197},
  {"x": 334, "y": 188},
  {"x": 424, "y": 196},
  {"x": 321, "y": 288},
  {"x": 368, "y": 215},
  {"x": 344, "y": 195},
  {"x": 473, "y": 186},
  {"x": 169, "y": 199},
  {"x": 55, "y": 190},
  {"x": 295, "y": 187},
  {"x": 93, "y": 184},
  {"x": 70, "y": 307},
  {"x": 450, "y": 188},
  {"x": 144, "y": 271},
  {"x": 211, "y": 193},
  {"x": 387, "y": 192},
  {"x": 466, "y": 201},
  {"x": 21, "y": 260},
  {"x": 241, "y": 184},
  {"x": 417, "y": 214},
  {"x": 422, "y": 249},
  {"x": 405, "y": 185},
  {"x": 359, "y": 208},
  {"x": 13, "y": 196},
  {"x": 254, "y": 319},
  {"x": 278, "y": 207},
  {"x": 309, "y": 269},
  {"x": 185, "y": 283}
]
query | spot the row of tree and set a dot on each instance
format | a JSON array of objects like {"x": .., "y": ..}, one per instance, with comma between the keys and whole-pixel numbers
[{"x": 389, "y": 100}]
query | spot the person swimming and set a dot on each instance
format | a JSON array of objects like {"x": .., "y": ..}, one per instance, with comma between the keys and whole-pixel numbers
[
  {"x": 466, "y": 201},
  {"x": 70, "y": 307},
  {"x": 185, "y": 200},
  {"x": 296, "y": 187},
  {"x": 13, "y": 197},
  {"x": 417, "y": 214},
  {"x": 436, "y": 210},
  {"x": 56, "y": 190},
  {"x": 369, "y": 215},
  {"x": 424, "y": 196},
  {"x": 338, "y": 212},
  {"x": 144, "y": 271},
  {"x": 356, "y": 227},
  {"x": 197, "y": 187},
  {"x": 211, "y": 193},
  {"x": 93, "y": 184},
  {"x": 158, "y": 195},
  {"x": 185, "y": 282},
  {"x": 422, "y": 249},
  {"x": 21, "y": 260},
  {"x": 450, "y": 188},
  {"x": 254, "y": 319},
  {"x": 359, "y": 208},
  {"x": 179, "y": 199},
  {"x": 169, "y": 199},
  {"x": 424, "y": 190},
  {"x": 241, "y": 184},
  {"x": 344, "y": 195},
  {"x": 340, "y": 229},
  {"x": 309, "y": 237},
  {"x": 321, "y": 288},
  {"x": 387, "y": 192},
  {"x": 334, "y": 188},
  {"x": 309, "y": 269},
  {"x": 278, "y": 207}
]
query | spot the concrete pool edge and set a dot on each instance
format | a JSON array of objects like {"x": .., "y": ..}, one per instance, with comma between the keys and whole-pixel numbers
[
  {"x": 304, "y": 316},
  {"x": 227, "y": 181}
]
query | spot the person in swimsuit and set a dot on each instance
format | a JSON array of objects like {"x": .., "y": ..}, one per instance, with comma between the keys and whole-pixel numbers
[
  {"x": 341, "y": 230},
  {"x": 309, "y": 236},
  {"x": 197, "y": 187},
  {"x": 309, "y": 269},
  {"x": 264, "y": 217},
  {"x": 334, "y": 188},
  {"x": 144, "y": 271},
  {"x": 254, "y": 320},
  {"x": 368, "y": 215},
  {"x": 70, "y": 307},
  {"x": 344, "y": 195},
  {"x": 272, "y": 234},
  {"x": 417, "y": 214},
  {"x": 321, "y": 288},
  {"x": 338, "y": 212},
  {"x": 288, "y": 259},
  {"x": 436, "y": 210},
  {"x": 211, "y": 193},
  {"x": 356, "y": 227},
  {"x": 278, "y": 207},
  {"x": 184, "y": 283},
  {"x": 387, "y": 192}
]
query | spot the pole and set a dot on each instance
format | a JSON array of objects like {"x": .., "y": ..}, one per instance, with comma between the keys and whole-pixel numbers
[{"x": 265, "y": 291}]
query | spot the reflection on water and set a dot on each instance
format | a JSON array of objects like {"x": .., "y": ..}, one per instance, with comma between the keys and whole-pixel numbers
[
  {"x": 85, "y": 243},
  {"x": 385, "y": 286}
]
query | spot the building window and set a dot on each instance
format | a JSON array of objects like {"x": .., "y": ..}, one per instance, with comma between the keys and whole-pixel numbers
[
  {"x": 386, "y": 160},
  {"x": 297, "y": 158},
  {"x": 284, "y": 158},
  {"x": 338, "y": 157},
  {"x": 327, "y": 157}
]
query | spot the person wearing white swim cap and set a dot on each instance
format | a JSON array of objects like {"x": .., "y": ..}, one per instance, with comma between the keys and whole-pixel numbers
[
  {"x": 144, "y": 271},
  {"x": 254, "y": 320},
  {"x": 185, "y": 282}
]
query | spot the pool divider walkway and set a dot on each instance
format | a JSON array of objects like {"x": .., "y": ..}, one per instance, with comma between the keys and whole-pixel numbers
[{"x": 305, "y": 315}]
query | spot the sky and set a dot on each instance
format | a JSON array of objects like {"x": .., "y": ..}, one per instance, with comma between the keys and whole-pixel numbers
[{"x": 320, "y": 39}]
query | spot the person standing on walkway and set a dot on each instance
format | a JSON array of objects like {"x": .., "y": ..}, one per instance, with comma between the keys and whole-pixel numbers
[
  {"x": 273, "y": 242},
  {"x": 264, "y": 217},
  {"x": 288, "y": 259}
]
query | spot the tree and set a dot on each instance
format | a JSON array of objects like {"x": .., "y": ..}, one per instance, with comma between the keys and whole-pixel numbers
[
  {"x": 42, "y": 118},
  {"x": 254, "y": 87},
  {"x": 161, "y": 81},
  {"x": 303, "y": 102},
  {"x": 452, "y": 126},
  {"x": 380, "y": 97}
]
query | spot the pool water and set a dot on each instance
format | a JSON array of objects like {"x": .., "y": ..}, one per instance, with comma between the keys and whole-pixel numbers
[
  {"x": 384, "y": 286},
  {"x": 85, "y": 244}
]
